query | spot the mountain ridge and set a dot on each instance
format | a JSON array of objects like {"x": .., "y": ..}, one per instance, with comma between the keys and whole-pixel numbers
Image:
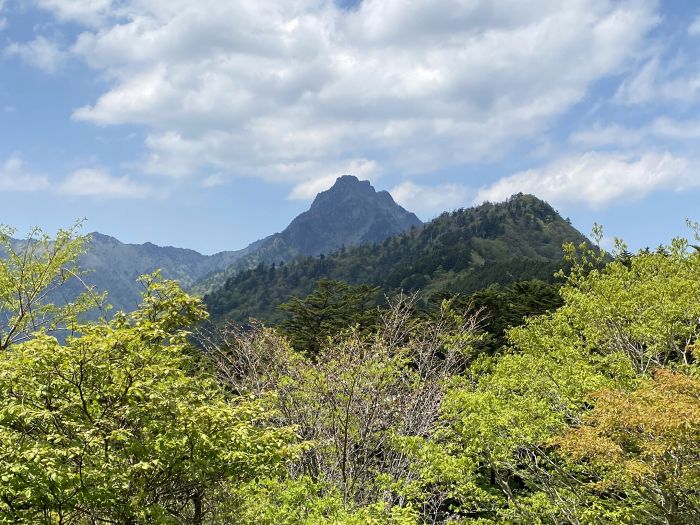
[
  {"x": 457, "y": 252},
  {"x": 372, "y": 240},
  {"x": 349, "y": 212},
  {"x": 115, "y": 266}
]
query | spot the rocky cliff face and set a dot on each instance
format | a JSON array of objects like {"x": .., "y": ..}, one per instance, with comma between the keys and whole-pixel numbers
[{"x": 349, "y": 213}]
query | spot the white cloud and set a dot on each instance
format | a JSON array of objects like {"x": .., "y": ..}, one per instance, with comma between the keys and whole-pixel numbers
[
  {"x": 293, "y": 88},
  {"x": 88, "y": 12},
  {"x": 661, "y": 128},
  {"x": 607, "y": 134},
  {"x": 14, "y": 176},
  {"x": 212, "y": 181},
  {"x": 40, "y": 53},
  {"x": 363, "y": 169},
  {"x": 431, "y": 200},
  {"x": 596, "y": 179},
  {"x": 310, "y": 188},
  {"x": 661, "y": 81},
  {"x": 99, "y": 183},
  {"x": 694, "y": 27},
  {"x": 641, "y": 86}
]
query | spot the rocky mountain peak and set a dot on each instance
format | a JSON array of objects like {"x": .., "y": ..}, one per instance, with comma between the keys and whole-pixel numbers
[
  {"x": 345, "y": 187},
  {"x": 350, "y": 212}
]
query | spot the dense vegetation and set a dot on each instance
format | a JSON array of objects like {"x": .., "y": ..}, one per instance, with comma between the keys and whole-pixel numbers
[
  {"x": 587, "y": 414},
  {"x": 457, "y": 253}
]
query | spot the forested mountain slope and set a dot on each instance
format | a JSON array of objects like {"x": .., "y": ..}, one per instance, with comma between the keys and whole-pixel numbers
[
  {"x": 458, "y": 252},
  {"x": 348, "y": 214}
]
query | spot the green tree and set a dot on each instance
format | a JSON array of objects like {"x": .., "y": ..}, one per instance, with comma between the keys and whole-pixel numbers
[
  {"x": 503, "y": 307},
  {"x": 305, "y": 502},
  {"x": 497, "y": 452},
  {"x": 356, "y": 400},
  {"x": 33, "y": 271},
  {"x": 116, "y": 426},
  {"x": 332, "y": 307},
  {"x": 643, "y": 447}
]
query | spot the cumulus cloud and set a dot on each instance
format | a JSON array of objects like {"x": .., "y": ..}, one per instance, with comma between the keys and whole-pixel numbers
[
  {"x": 309, "y": 188},
  {"x": 295, "y": 87},
  {"x": 99, "y": 183},
  {"x": 41, "y": 53},
  {"x": 363, "y": 169},
  {"x": 14, "y": 176},
  {"x": 596, "y": 179},
  {"x": 89, "y": 12},
  {"x": 430, "y": 200}
]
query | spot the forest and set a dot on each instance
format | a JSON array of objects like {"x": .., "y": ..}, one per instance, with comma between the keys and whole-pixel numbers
[
  {"x": 458, "y": 252},
  {"x": 571, "y": 400}
]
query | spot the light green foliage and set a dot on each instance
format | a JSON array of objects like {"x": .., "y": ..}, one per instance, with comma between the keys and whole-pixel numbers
[
  {"x": 645, "y": 306},
  {"x": 31, "y": 272},
  {"x": 115, "y": 426},
  {"x": 496, "y": 453},
  {"x": 588, "y": 416},
  {"x": 304, "y": 502}
]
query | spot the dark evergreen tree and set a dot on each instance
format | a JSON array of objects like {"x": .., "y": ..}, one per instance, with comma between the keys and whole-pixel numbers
[{"x": 332, "y": 307}]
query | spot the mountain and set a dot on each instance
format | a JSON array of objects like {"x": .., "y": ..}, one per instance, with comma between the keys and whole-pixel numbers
[
  {"x": 350, "y": 213},
  {"x": 458, "y": 252},
  {"x": 114, "y": 266}
]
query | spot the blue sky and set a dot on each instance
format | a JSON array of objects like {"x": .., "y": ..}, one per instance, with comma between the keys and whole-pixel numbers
[{"x": 210, "y": 124}]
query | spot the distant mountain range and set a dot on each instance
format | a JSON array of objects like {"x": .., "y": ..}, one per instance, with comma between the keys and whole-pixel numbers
[
  {"x": 458, "y": 252},
  {"x": 351, "y": 233},
  {"x": 348, "y": 214},
  {"x": 114, "y": 266}
]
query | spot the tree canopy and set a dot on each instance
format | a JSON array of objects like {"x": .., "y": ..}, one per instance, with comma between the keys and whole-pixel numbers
[
  {"x": 33, "y": 272},
  {"x": 584, "y": 411},
  {"x": 114, "y": 427}
]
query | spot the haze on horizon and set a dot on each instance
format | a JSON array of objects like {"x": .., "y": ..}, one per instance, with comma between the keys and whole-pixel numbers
[{"x": 211, "y": 124}]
